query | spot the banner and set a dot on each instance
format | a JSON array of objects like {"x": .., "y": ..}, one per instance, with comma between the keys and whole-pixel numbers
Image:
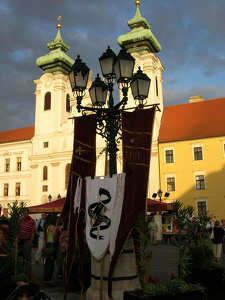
[
  {"x": 104, "y": 197},
  {"x": 137, "y": 129},
  {"x": 83, "y": 164}
]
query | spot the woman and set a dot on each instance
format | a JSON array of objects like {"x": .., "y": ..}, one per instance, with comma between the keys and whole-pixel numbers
[
  {"x": 218, "y": 234},
  {"x": 50, "y": 250}
]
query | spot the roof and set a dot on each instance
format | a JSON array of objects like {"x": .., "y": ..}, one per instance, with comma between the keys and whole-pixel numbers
[
  {"x": 56, "y": 61},
  {"x": 140, "y": 38},
  {"x": 50, "y": 207},
  {"x": 193, "y": 121},
  {"x": 15, "y": 135}
]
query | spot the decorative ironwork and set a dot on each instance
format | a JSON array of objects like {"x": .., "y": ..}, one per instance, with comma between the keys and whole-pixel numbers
[{"x": 114, "y": 68}]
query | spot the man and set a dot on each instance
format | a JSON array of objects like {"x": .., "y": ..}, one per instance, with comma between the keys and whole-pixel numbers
[
  {"x": 40, "y": 229},
  {"x": 27, "y": 231},
  {"x": 153, "y": 228}
]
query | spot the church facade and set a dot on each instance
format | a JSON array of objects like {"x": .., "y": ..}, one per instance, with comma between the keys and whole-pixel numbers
[{"x": 35, "y": 161}]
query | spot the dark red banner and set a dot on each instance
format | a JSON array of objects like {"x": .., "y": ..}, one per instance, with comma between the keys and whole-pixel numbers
[{"x": 137, "y": 129}]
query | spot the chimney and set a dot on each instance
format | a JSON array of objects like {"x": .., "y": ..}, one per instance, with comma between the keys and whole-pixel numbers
[{"x": 195, "y": 98}]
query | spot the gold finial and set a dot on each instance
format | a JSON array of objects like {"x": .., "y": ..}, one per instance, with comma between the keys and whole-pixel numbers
[
  {"x": 137, "y": 3},
  {"x": 58, "y": 26}
]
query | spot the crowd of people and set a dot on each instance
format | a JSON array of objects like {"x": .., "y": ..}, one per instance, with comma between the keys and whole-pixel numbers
[
  {"x": 49, "y": 251},
  {"x": 215, "y": 229}
]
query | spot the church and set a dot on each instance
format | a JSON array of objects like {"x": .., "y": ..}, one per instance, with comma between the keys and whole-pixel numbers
[{"x": 188, "y": 147}]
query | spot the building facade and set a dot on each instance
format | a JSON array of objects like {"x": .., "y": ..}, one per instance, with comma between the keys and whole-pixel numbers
[{"x": 192, "y": 155}]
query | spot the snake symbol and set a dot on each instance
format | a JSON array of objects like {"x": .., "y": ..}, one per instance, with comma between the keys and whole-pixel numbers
[{"x": 96, "y": 213}]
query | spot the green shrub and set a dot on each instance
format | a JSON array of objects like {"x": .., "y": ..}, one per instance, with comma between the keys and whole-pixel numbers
[{"x": 201, "y": 256}]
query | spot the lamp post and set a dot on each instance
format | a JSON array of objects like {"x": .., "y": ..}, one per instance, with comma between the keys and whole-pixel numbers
[
  {"x": 160, "y": 194},
  {"x": 115, "y": 68},
  {"x": 49, "y": 198}
]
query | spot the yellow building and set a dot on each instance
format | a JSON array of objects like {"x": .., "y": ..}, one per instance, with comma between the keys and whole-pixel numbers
[{"x": 192, "y": 154}]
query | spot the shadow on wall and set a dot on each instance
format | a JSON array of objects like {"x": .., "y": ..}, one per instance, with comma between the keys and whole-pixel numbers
[{"x": 209, "y": 197}]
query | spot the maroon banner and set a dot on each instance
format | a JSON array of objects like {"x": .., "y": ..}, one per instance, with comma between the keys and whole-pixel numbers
[
  {"x": 83, "y": 164},
  {"x": 137, "y": 129}
]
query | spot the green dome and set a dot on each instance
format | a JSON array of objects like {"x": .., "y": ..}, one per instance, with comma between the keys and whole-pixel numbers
[
  {"x": 140, "y": 38},
  {"x": 56, "y": 61}
]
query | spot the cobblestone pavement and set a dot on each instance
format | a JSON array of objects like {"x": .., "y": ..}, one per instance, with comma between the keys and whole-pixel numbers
[{"x": 163, "y": 264}]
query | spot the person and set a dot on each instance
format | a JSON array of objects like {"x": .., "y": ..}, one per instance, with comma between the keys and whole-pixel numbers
[
  {"x": 26, "y": 236},
  {"x": 195, "y": 227},
  {"x": 40, "y": 229},
  {"x": 50, "y": 250},
  {"x": 60, "y": 254},
  {"x": 223, "y": 244},
  {"x": 152, "y": 228},
  {"x": 218, "y": 234}
]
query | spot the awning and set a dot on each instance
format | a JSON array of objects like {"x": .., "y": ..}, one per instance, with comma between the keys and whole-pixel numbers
[
  {"x": 156, "y": 205},
  {"x": 57, "y": 206},
  {"x": 50, "y": 207}
]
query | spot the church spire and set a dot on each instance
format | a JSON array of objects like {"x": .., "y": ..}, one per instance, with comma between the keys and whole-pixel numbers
[
  {"x": 56, "y": 61},
  {"x": 140, "y": 38}
]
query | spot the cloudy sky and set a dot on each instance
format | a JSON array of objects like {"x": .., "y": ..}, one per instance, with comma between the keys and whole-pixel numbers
[{"x": 191, "y": 33}]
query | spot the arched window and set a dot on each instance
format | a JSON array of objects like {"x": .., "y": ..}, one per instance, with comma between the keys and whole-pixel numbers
[
  {"x": 156, "y": 87},
  {"x": 47, "y": 104},
  {"x": 67, "y": 174},
  {"x": 68, "y": 103},
  {"x": 45, "y": 173}
]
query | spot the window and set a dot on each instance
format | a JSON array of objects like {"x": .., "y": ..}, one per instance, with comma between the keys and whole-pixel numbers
[
  {"x": 47, "y": 104},
  {"x": 198, "y": 153},
  {"x": 45, "y": 144},
  {"x": 7, "y": 164},
  {"x": 45, "y": 173},
  {"x": 44, "y": 188},
  {"x": 200, "y": 182},
  {"x": 18, "y": 164},
  {"x": 6, "y": 189},
  {"x": 201, "y": 207},
  {"x": 170, "y": 184},
  {"x": 68, "y": 103},
  {"x": 18, "y": 189},
  {"x": 67, "y": 174},
  {"x": 169, "y": 156},
  {"x": 156, "y": 87}
]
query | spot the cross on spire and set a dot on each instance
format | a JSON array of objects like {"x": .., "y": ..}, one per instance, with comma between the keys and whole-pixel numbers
[
  {"x": 137, "y": 2},
  {"x": 58, "y": 26}
]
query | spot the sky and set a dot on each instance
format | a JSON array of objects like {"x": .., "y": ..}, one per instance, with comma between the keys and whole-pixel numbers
[{"x": 191, "y": 33}]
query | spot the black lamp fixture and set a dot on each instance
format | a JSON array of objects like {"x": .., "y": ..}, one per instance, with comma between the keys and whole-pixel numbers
[
  {"x": 107, "y": 61},
  {"x": 49, "y": 198},
  {"x": 160, "y": 194},
  {"x": 98, "y": 92},
  {"x": 79, "y": 76},
  {"x": 115, "y": 68},
  {"x": 124, "y": 67},
  {"x": 59, "y": 196}
]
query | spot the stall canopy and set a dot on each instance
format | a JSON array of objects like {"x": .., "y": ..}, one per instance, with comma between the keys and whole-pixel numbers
[
  {"x": 50, "y": 207},
  {"x": 57, "y": 206},
  {"x": 156, "y": 205}
]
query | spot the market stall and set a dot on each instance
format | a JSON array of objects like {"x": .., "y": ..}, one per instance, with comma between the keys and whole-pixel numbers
[
  {"x": 155, "y": 206},
  {"x": 50, "y": 207}
]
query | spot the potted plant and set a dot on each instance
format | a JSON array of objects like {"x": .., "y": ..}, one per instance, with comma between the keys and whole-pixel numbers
[{"x": 174, "y": 289}]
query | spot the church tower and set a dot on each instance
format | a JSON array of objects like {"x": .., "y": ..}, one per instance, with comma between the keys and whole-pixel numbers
[
  {"x": 53, "y": 137},
  {"x": 141, "y": 43}
]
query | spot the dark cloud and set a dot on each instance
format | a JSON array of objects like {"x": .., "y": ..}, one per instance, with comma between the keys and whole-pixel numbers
[
  {"x": 177, "y": 96},
  {"x": 191, "y": 33}
]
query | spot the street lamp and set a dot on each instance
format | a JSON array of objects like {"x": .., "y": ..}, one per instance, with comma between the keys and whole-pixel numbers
[
  {"x": 160, "y": 194},
  {"x": 49, "y": 198},
  {"x": 115, "y": 68}
]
